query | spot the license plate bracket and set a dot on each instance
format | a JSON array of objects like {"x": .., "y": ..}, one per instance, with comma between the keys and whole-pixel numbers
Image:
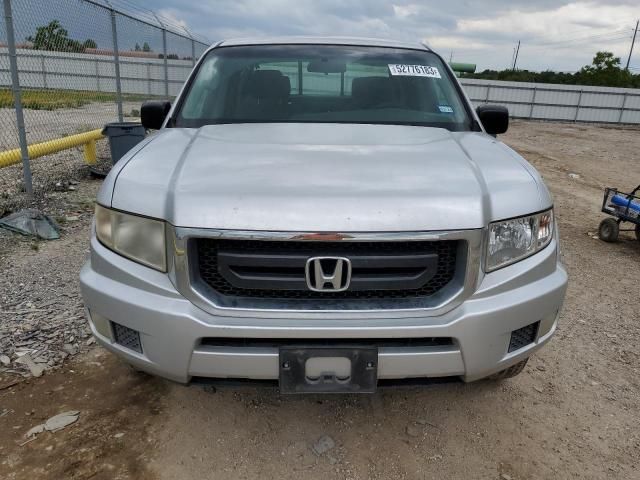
[{"x": 293, "y": 373}]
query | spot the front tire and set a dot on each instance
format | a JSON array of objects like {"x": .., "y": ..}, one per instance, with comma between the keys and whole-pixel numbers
[
  {"x": 609, "y": 230},
  {"x": 510, "y": 372}
]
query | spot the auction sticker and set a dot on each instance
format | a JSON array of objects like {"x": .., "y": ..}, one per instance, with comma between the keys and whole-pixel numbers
[{"x": 414, "y": 70}]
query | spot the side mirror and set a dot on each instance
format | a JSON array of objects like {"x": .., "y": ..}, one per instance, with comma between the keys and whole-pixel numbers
[
  {"x": 153, "y": 114},
  {"x": 494, "y": 118}
]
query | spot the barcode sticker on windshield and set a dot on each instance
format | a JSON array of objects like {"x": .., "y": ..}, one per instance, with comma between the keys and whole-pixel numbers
[{"x": 414, "y": 70}]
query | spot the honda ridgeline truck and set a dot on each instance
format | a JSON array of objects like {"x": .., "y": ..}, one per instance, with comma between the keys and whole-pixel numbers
[{"x": 330, "y": 214}]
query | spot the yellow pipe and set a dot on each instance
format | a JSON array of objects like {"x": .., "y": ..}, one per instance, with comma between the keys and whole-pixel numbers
[
  {"x": 90, "y": 152},
  {"x": 88, "y": 139}
]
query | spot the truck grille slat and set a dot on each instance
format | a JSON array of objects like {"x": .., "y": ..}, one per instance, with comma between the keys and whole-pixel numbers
[
  {"x": 276, "y": 269},
  {"x": 332, "y": 342}
]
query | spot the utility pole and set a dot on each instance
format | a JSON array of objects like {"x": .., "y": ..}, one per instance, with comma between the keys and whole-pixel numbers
[
  {"x": 632, "y": 43},
  {"x": 17, "y": 99},
  {"x": 515, "y": 60}
]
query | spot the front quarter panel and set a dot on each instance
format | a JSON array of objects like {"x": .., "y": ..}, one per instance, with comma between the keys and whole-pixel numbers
[
  {"x": 148, "y": 183},
  {"x": 512, "y": 186},
  {"x": 545, "y": 196},
  {"x": 105, "y": 194}
]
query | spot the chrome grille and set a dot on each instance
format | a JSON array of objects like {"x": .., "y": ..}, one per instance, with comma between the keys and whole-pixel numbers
[{"x": 258, "y": 269}]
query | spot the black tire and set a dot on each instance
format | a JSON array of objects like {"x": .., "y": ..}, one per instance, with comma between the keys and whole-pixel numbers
[
  {"x": 638, "y": 232},
  {"x": 510, "y": 372},
  {"x": 609, "y": 230}
]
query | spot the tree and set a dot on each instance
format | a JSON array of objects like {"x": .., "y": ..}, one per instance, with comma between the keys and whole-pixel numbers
[
  {"x": 49, "y": 37},
  {"x": 55, "y": 38},
  {"x": 137, "y": 47},
  {"x": 604, "y": 61},
  {"x": 605, "y": 70},
  {"x": 146, "y": 47}
]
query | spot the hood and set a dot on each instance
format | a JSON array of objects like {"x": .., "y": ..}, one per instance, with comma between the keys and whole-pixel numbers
[{"x": 326, "y": 178}]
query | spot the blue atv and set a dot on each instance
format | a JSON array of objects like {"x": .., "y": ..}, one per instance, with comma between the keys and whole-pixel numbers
[{"x": 623, "y": 207}]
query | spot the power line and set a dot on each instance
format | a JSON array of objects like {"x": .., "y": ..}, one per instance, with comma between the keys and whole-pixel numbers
[
  {"x": 621, "y": 33},
  {"x": 620, "y": 21},
  {"x": 595, "y": 43},
  {"x": 605, "y": 37},
  {"x": 610, "y": 36},
  {"x": 593, "y": 35}
]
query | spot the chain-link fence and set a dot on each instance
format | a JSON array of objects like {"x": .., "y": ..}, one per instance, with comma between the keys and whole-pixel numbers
[{"x": 71, "y": 66}]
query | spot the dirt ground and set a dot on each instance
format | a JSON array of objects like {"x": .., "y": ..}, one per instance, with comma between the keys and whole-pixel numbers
[{"x": 573, "y": 413}]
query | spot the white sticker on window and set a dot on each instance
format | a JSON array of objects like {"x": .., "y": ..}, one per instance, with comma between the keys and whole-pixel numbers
[{"x": 414, "y": 70}]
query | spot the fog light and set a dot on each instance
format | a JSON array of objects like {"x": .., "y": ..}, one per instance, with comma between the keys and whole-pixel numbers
[
  {"x": 523, "y": 336},
  {"x": 127, "y": 337}
]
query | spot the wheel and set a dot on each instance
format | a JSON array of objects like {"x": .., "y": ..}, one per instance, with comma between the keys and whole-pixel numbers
[
  {"x": 609, "y": 230},
  {"x": 510, "y": 372},
  {"x": 638, "y": 232}
]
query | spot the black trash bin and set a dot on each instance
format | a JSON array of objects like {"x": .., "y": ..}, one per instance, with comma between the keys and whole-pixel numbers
[{"x": 123, "y": 136}]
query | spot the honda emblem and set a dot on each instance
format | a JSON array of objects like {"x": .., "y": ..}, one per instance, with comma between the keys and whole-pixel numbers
[{"x": 328, "y": 274}]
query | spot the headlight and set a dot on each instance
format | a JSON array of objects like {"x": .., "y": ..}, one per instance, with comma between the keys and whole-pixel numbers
[
  {"x": 515, "y": 239},
  {"x": 137, "y": 238}
]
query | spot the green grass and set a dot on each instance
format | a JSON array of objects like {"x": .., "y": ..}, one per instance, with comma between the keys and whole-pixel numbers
[{"x": 55, "y": 99}]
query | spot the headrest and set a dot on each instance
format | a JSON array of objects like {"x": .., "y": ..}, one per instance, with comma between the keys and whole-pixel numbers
[
  {"x": 371, "y": 90},
  {"x": 268, "y": 84}
]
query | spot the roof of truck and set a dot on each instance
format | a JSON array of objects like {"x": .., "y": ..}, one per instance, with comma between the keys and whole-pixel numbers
[{"x": 360, "y": 41}]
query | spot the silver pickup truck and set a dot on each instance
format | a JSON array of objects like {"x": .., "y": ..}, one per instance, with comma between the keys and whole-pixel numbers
[{"x": 327, "y": 213}]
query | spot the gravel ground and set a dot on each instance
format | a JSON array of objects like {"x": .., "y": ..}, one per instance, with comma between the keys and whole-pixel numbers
[
  {"x": 38, "y": 318},
  {"x": 41, "y": 313},
  {"x": 573, "y": 413}
]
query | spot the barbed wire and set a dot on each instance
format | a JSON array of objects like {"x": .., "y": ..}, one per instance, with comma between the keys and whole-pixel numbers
[{"x": 129, "y": 8}]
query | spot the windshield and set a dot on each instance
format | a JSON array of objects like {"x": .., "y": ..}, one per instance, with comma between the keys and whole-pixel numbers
[{"x": 322, "y": 83}]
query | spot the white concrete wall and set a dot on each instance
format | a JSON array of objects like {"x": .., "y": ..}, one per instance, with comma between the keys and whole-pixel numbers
[
  {"x": 558, "y": 102},
  {"x": 78, "y": 71}
]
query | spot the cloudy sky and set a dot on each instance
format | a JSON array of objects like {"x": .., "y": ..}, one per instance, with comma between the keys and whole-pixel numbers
[{"x": 555, "y": 34}]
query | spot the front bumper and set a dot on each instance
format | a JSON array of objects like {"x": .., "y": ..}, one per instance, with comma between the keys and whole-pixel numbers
[{"x": 172, "y": 328}]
